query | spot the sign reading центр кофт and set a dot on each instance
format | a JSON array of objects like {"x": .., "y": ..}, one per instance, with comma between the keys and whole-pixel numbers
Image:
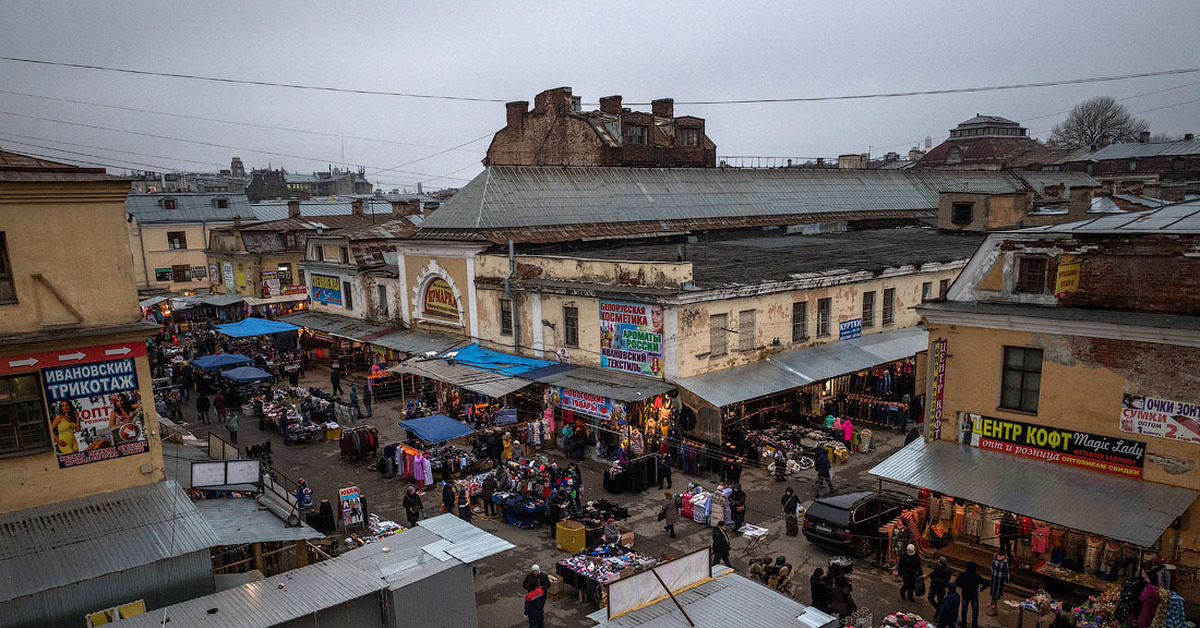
[{"x": 1077, "y": 449}]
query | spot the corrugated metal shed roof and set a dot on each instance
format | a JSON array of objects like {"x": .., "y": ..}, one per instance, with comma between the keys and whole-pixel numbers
[
  {"x": 1038, "y": 180},
  {"x": 416, "y": 342},
  {"x": 278, "y": 210},
  {"x": 726, "y": 600},
  {"x": 1133, "y": 511},
  {"x": 80, "y": 539},
  {"x": 189, "y": 207},
  {"x": 239, "y": 521},
  {"x": 550, "y": 203},
  {"x": 469, "y": 543},
  {"x": 1178, "y": 219},
  {"x": 265, "y": 603},
  {"x": 436, "y": 544},
  {"x": 344, "y": 326},
  {"x": 1136, "y": 149},
  {"x": 480, "y": 381},
  {"x": 606, "y": 383},
  {"x": 801, "y": 367}
]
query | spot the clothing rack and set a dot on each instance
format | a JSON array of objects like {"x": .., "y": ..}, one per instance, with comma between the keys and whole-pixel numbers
[{"x": 359, "y": 442}]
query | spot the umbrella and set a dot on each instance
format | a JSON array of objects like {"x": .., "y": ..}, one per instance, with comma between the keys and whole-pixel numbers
[
  {"x": 247, "y": 374},
  {"x": 220, "y": 360}
]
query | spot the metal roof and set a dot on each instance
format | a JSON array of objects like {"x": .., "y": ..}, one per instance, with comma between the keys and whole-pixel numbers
[
  {"x": 1173, "y": 219},
  {"x": 785, "y": 371},
  {"x": 1138, "y": 149},
  {"x": 271, "y": 601},
  {"x": 436, "y": 544},
  {"x": 244, "y": 520},
  {"x": 79, "y": 539},
  {"x": 726, "y": 600},
  {"x": 278, "y": 210},
  {"x": 1039, "y": 179},
  {"x": 416, "y": 342},
  {"x": 530, "y": 203},
  {"x": 604, "y": 382},
  {"x": 389, "y": 335},
  {"x": 1132, "y": 511},
  {"x": 1110, "y": 318},
  {"x": 484, "y": 382},
  {"x": 189, "y": 207}
]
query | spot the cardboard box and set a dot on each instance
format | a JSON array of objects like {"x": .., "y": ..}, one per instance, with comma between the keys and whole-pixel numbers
[
  {"x": 1010, "y": 616},
  {"x": 556, "y": 584},
  {"x": 1029, "y": 619},
  {"x": 626, "y": 539}
]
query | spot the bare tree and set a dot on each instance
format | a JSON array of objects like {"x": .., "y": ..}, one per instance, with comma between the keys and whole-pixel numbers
[{"x": 1094, "y": 118}]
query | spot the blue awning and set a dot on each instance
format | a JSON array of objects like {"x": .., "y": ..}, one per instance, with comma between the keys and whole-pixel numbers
[
  {"x": 255, "y": 327},
  {"x": 495, "y": 361},
  {"x": 247, "y": 374},
  {"x": 437, "y": 428},
  {"x": 220, "y": 360}
]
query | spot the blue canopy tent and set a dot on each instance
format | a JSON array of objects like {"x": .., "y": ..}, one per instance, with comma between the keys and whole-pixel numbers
[
  {"x": 247, "y": 374},
  {"x": 437, "y": 428},
  {"x": 255, "y": 327},
  {"x": 220, "y": 361}
]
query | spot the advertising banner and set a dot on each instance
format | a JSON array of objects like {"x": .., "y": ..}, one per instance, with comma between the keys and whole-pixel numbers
[
  {"x": 1067, "y": 281},
  {"x": 326, "y": 289},
  {"x": 214, "y": 275},
  {"x": 95, "y": 411},
  {"x": 270, "y": 283},
  {"x": 439, "y": 300},
  {"x": 937, "y": 377},
  {"x": 1161, "y": 418},
  {"x": 295, "y": 290},
  {"x": 351, "y": 503},
  {"x": 848, "y": 330},
  {"x": 631, "y": 338},
  {"x": 227, "y": 268},
  {"x": 1077, "y": 449},
  {"x": 581, "y": 402}
]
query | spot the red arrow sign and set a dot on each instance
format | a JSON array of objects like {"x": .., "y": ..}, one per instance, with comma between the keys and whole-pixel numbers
[{"x": 28, "y": 362}]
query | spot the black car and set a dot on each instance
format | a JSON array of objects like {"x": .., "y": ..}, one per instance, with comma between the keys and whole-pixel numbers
[{"x": 850, "y": 522}]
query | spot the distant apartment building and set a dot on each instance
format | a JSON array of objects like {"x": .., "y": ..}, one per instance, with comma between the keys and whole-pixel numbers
[{"x": 269, "y": 184}]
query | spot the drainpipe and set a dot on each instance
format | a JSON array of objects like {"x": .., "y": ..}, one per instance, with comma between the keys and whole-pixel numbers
[
  {"x": 142, "y": 246},
  {"x": 516, "y": 319}
]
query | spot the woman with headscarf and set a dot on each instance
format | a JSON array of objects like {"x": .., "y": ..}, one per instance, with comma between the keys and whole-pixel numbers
[
  {"x": 464, "y": 505},
  {"x": 737, "y": 503},
  {"x": 841, "y": 598},
  {"x": 818, "y": 586},
  {"x": 412, "y": 505},
  {"x": 612, "y": 532},
  {"x": 670, "y": 513}
]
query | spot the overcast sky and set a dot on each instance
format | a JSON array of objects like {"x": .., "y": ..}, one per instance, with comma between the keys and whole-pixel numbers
[{"x": 513, "y": 50}]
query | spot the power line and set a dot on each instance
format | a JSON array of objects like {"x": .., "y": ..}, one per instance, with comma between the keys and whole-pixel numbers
[
  {"x": 743, "y": 101},
  {"x": 443, "y": 152}
]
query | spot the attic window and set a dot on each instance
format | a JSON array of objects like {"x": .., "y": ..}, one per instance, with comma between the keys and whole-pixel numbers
[
  {"x": 962, "y": 213},
  {"x": 1133, "y": 165},
  {"x": 954, "y": 156},
  {"x": 689, "y": 137},
  {"x": 168, "y": 203},
  {"x": 637, "y": 134},
  {"x": 223, "y": 203}
]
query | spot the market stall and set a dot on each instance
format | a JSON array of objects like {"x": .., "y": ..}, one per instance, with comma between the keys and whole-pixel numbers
[
  {"x": 301, "y": 415},
  {"x": 427, "y": 451},
  {"x": 590, "y": 571},
  {"x": 219, "y": 361}
]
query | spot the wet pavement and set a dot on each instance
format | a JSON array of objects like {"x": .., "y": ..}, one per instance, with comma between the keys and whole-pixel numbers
[{"x": 499, "y": 595}]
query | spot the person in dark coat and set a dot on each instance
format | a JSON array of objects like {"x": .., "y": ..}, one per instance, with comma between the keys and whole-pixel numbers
[
  {"x": 448, "y": 497},
  {"x": 335, "y": 381},
  {"x": 535, "y": 579},
  {"x": 947, "y": 613},
  {"x": 670, "y": 513},
  {"x": 823, "y": 477},
  {"x": 487, "y": 491},
  {"x": 535, "y": 608},
  {"x": 939, "y": 578},
  {"x": 737, "y": 504},
  {"x": 818, "y": 586},
  {"x": 464, "y": 505},
  {"x": 970, "y": 583},
  {"x": 720, "y": 545},
  {"x": 841, "y": 597},
  {"x": 910, "y": 570},
  {"x": 791, "y": 506},
  {"x": 219, "y": 406},
  {"x": 412, "y": 505},
  {"x": 202, "y": 407},
  {"x": 664, "y": 471}
]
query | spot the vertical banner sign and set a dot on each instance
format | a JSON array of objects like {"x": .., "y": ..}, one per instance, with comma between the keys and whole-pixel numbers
[
  {"x": 937, "y": 381},
  {"x": 230, "y": 287},
  {"x": 95, "y": 412},
  {"x": 1067, "y": 281},
  {"x": 351, "y": 503},
  {"x": 270, "y": 283},
  {"x": 851, "y": 329},
  {"x": 1161, "y": 418},
  {"x": 631, "y": 338},
  {"x": 214, "y": 276},
  {"x": 326, "y": 289}
]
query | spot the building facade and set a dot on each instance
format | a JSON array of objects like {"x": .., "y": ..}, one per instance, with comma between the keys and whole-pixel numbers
[
  {"x": 981, "y": 143},
  {"x": 168, "y": 234}
]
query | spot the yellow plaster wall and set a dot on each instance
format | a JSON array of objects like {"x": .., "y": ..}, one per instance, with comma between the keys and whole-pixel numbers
[
  {"x": 456, "y": 269},
  {"x": 159, "y": 254}
]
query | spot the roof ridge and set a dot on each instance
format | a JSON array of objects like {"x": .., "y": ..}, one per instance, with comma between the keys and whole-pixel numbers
[{"x": 483, "y": 197}]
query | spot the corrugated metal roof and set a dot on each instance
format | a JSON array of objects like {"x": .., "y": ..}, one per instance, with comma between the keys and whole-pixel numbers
[
  {"x": 801, "y": 367},
  {"x": 1136, "y": 149},
  {"x": 530, "y": 203},
  {"x": 239, "y": 521},
  {"x": 480, "y": 381},
  {"x": 338, "y": 325},
  {"x": 468, "y": 543},
  {"x": 84, "y": 538},
  {"x": 606, "y": 383},
  {"x": 412, "y": 555},
  {"x": 1176, "y": 219},
  {"x": 416, "y": 342},
  {"x": 189, "y": 207},
  {"x": 724, "y": 601},
  {"x": 1111, "y": 318},
  {"x": 265, "y": 603},
  {"x": 278, "y": 210},
  {"x": 1132, "y": 511},
  {"x": 1038, "y": 180}
]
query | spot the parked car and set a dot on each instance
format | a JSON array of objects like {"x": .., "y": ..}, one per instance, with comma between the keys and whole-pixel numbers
[{"x": 850, "y": 522}]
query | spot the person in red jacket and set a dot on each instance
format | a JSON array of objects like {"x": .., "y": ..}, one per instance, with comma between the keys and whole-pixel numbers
[{"x": 535, "y": 607}]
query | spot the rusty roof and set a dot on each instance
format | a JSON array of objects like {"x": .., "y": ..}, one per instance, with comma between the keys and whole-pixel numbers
[
  {"x": 313, "y": 223},
  {"x": 18, "y": 167},
  {"x": 976, "y": 152}
]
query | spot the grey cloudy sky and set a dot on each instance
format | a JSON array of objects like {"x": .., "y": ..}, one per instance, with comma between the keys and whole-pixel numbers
[{"x": 512, "y": 50}]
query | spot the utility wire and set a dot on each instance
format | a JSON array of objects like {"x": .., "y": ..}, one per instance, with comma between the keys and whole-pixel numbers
[{"x": 742, "y": 101}]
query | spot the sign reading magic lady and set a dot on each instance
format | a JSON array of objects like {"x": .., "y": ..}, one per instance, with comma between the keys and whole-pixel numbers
[
  {"x": 631, "y": 338},
  {"x": 1117, "y": 456}
]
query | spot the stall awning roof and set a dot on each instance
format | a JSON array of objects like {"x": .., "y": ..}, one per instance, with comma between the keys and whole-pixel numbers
[
  {"x": 247, "y": 374},
  {"x": 344, "y": 326},
  {"x": 602, "y": 382},
  {"x": 255, "y": 327},
  {"x": 1125, "y": 509},
  {"x": 483, "y": 382},
  {"x": 220, "y": 360},
  {"x": 279, "y": 298},
  {"x": 415, "y": 341},
  {"x": 241, "y": 521},
  {"x": 495, "y": 361},
  {"x": 785, "y": 371},
  {"x": 152, "y": 301},
  {"x": 436, "y": 428}
]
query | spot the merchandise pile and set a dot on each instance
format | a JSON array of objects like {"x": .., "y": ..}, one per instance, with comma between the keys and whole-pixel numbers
[
  {"x": 376, "y": 530},
  {"x": 905, "y": 620},
  {"x": 1097, "y": 610},
  {"x": 604, "y": 563}
]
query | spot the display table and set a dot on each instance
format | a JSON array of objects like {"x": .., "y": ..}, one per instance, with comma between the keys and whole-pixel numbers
[
  {"x": 521, "y": 511},
  {"x": 591, "y": 570}
]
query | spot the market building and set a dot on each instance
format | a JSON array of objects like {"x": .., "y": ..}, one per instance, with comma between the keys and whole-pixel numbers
[{"x": 1061, "y": 406}]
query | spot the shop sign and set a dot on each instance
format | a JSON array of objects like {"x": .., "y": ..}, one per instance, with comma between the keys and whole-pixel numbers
[
  {"x": 938, "y": 377},
  {"x": 326, "y": 289},
  {"x": 848, "y": 330},
  {"x": 294, "y": 290},
  {"x": 95, "y": 411},
  {"x": 351, "y": 503},
  {"x": 1067, "y": 281},
  {"x": 439, "y": 300},
  {"x": 1161, "y": 418},
  {"x": 631, "y": 338},
  {"x": 163, "y": 274},
  {"x": 270, "y": 283},
  {"x": 581, "y": 402},
  {"x": 1076, "y": 449},
  {"x": 229, "y": 284},
  {"x": 214, "y": 276},
  {"x": 28, "y": 362}
]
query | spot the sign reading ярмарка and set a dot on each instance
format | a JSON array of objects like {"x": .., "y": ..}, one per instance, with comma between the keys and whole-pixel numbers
[
  {"x": 95, "y": 411},
  {"x": 1117, "y": 456}
]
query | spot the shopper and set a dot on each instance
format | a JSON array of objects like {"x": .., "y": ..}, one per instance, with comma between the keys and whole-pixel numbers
[
  {"x": 464, "y": 505},
  {"x": 219, "y": 406},
  {"x": 848, "y": 434},
  {"x": 999, "y": 578},
  {"x": 412, "y": 505},
  {"x": 939, "y": 578},
  {"x": 791, "y": 508},
  {"x": 486, "y": 492},
  {"x": 535, "y": 607},
  {"x": 823, "y": 472},
  {"x": 335, "y": 380},
  {"x": 518, "y": 450},
  {"x": 202, "y": 406},
  {"x": 670, "y": 513},
  {"x": 231, "y": 424},
  {"x": 367, "y": 394},
  {"x": 737, "y": 505},
  {"x": 664, "y": 471},
  {"x": 910, "y": 570},
  {"x": 970, "y": 583},
  {"x": 535, "y": 579},
  {"x": 818, "y": 585},
  {"x": 947, "y": 613},
  {"x": 720, "y": 545},
  {"x": 448, "y": 498},
  {"x": 841, "y": 597},
  {"x": 355, "y": 411}
]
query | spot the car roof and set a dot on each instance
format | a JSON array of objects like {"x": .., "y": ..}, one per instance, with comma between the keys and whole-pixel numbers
[{"x": 847, "y": 500}]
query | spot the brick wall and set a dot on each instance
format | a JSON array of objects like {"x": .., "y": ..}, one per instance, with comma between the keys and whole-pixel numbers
[
  {"x": 1156, "y": 370},
  {"x": 1157, "y": 274}
]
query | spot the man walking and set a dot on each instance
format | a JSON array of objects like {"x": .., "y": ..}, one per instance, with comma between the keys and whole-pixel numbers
[
  {"x": 535, "y": 607},
  {"x": 970, "y": 583},
  {"x": 202, "y": 406},
  {"x": 947, "y": 613},
  {"x": 823, "y": 470},
  {"x": 939, "y": 578},
  {"x": 335, "y": 379},
  {"x": 910, "y": 571},
  {"x": 355, "y": 410},
  {"x": 720, "y": 545}
]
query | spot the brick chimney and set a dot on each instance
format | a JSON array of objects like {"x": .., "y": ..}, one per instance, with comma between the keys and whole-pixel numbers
[
  {"x": 398, "y": 209},
  {"x": 237, "y": 221},
  {"x": 516, "y": 113},
  {"x": 293, "y": 208},
  {"x": 356, "y": 207},
  {"x": 414, "y": 207},
  {"x": 1105, "y": 140},
  {"x": 663, "y": 107},
  {"x": 429, "y": 207},
  {"x": 1143, "y": 137},
  {"x": 611, "y": 104},
  {"x": 1187, "y": 137}
]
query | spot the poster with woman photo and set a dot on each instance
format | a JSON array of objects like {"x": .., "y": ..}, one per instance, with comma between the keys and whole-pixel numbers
[{"x": 95, "y": 412}]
